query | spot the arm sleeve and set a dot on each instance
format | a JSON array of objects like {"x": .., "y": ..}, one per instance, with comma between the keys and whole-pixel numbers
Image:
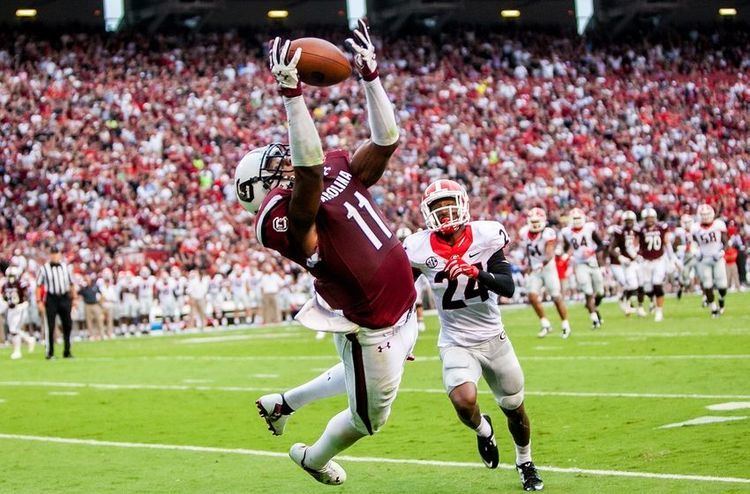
[
  {"x": 416, "y": 273},
  {"x": 598, "y": 241},
  {"x": 498, "y": 276}
]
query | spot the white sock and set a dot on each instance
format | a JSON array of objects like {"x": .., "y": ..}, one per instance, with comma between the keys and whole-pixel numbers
[
  {"x": 545, "y": 322},
  {"x": 594, "y": 317},
  {"x": 339, "y": 435},
  {"x": 484, "y": 429},
  {"x": 523, "y": 454},
  {"x": 17, "y": 343},
  {"x": 330, "y": 383},
  {"x": 565, "y": 324}
]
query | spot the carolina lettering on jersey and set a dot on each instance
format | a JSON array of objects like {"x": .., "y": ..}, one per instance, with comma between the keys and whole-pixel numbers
[
  {"x": 651, "y": 241},
  {"x": 14, "y": 293},
  {"x": 469, "y": 313},
  {"x": 360, "y": 266}
]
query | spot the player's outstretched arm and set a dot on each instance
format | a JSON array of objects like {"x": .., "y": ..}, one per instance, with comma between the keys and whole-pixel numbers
[
  {"x": 306, "y": 149},
  {"x": 370, "y": 160}
]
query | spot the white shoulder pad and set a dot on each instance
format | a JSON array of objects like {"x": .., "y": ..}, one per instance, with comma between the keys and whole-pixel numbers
[
  {"x": 549, "y": 234},
  {"x": 490, "y": 235},
  {"x": 720, "y": 225},
  {"x": 417, "y": 246}
]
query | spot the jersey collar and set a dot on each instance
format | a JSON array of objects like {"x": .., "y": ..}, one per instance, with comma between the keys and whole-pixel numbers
[{"x": 446, "y": 250}]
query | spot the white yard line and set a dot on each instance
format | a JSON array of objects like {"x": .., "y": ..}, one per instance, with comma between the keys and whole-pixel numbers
[
  {"x": 254, "y": 389},
  {"x": 701, "y": 421},
  {"x": 234, "y": 337},
  {"x": 359, "y": 459},
  {"x": 732, "y": 405}
]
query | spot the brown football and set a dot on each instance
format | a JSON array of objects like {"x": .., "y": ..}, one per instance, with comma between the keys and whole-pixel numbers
[{"x": 321, "y": 62}]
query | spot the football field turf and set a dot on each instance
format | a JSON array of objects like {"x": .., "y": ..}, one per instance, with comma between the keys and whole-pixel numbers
[{"x": 177, "y": 414}]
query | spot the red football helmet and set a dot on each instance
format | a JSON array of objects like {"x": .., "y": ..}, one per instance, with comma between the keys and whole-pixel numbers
[
  {"x": 537, "y": 220},
  {"x": 449, "y": 218}
]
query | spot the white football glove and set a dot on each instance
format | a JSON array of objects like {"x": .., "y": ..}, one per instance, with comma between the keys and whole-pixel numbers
[
  {"x": 285, "y": 72},
  {"x": 364, "y": 51}
]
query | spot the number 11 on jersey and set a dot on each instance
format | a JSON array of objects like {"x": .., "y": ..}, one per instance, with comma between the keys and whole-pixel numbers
[{"x": 352, "y": 212}]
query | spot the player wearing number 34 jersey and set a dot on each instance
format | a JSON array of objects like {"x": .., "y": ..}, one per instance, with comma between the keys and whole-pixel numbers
[{"x": 464, "y": 262}]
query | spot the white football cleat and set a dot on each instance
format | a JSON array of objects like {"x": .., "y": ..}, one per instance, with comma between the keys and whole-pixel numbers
[
  {"x": 641, "y": 312},
  {"x": 15, "y": 355},
  {"x": 543, "y": 332},
  {"x": 32, "y": 345},
  {"x": 269, "y": 407},
  {"x": 566, "y": 332},
  {"x": 421, "y": 326},
  {"x": 320, "y": 335},
  {"x": 330, "y": 474},
  {"x": 659, "y": 316}
]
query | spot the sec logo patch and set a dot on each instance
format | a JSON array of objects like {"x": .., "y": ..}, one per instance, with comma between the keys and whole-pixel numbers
[
  {"x": 431, "y": 262},
  {"x": 280, "y": 224}
]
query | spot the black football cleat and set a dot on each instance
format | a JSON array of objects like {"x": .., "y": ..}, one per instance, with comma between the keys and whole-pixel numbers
[
  {"x": 530, "y": 477},
  {"x": 488, "y": 448}
]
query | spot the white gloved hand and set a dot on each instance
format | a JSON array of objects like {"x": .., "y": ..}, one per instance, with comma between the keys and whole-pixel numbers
[
  {"x": 361, "y": 46},
  {"x": 285, "y": 72}
]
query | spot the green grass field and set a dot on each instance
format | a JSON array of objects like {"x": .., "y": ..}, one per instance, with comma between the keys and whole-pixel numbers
[{"x": 118, "y": 418}]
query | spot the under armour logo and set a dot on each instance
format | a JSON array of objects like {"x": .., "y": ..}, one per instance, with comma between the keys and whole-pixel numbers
[{"x": 381, "y": 347}]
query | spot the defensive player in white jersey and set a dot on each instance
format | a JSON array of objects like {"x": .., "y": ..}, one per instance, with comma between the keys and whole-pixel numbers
[
  {"x": 421, "y": 285},
  {"x": 582, "y": 237},
  {"x": 464, "y": 262},
  {"x": 686, "y": 251},
  {"x": 654, "y": 251},
  {"x": 239, "y": 286},
  {"x": 711, "y": 236},
  {"x": 539, "y": 241}
]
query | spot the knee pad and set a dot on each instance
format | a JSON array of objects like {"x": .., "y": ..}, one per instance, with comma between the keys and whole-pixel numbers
[
  {"x": 511, "y": 402},
  {"x": 659, "y": 290}
]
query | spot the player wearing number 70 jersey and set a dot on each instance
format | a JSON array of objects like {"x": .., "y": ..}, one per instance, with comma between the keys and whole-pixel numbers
[
  {"x": 316, "y": 211},
  {"x": 464, "y": 262}
]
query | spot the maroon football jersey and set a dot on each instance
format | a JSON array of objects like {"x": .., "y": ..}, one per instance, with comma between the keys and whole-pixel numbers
[
  {"x": 14, "y": 293},
  {"x": 626, "y": 239},
  {"x": 360, "y": 267},
  {"x": 651, "y": 241}
]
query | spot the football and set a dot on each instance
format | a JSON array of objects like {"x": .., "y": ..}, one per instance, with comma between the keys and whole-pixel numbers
[{"x": 321, "y": 63}]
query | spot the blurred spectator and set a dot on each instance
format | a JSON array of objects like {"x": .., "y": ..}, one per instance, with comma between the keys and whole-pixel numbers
[
  {"x": 197, "y": 290},
  {"x": 93, "y": 311},
  {"x": 270, "y": 286}
]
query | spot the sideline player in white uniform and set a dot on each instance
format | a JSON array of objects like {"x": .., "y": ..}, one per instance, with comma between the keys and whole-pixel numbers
[
  {"x": 654, "y": 249},
  {"x": 145, "y": 283},
  {"x": 586, "y": 243},
  {"x": 129, "y": 311},
  {"x": 216, "y": 297},
  {"x": 165, "y": 290},
  {"x": 711, "y": 237},
  {"x": 239, "y": 286},
  {"x": 539, "y": 242},
  {"x": 15, "y": 296},
  {"x": 686, "y": 251},
  {"x": 464, "y": 262}
]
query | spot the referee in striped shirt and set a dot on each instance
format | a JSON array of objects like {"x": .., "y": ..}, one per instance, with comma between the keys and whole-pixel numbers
[{"x": 55, "y": 283}]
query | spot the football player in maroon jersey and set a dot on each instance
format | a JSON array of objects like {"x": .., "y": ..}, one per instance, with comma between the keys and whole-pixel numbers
[
  {"x": 315, "y": 209},
  {"x": 15, "y": 295}
]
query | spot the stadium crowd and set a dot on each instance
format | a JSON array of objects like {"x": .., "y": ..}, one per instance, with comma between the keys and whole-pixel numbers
[{"x": 123, "y": 147}]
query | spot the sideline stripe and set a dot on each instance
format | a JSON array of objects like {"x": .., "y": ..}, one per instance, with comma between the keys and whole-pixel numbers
[
  {"x": 254, "y": 389},
  {"x": 429, "y": 358},
  {"x": 361, "y": 459}
]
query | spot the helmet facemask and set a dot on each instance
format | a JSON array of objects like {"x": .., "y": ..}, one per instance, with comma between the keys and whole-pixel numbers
[
  {"x": 449, "y": 217},
  {"x": 275, "y": 171}
]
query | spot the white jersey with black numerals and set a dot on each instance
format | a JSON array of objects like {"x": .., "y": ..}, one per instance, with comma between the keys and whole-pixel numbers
[
  {"x": 469, "y": 314},
  {"x": 215, "y": 284},
  {"x": 535, "y": 244},
  {"x": 582, "y": 243},
  {"x": 708, "y": 238},
  {"x": 238, "y": 283}
]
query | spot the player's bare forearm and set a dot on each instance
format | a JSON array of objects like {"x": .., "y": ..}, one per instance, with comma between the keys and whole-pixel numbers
[
  {"x": 370, "y": 161},
  {"x": 303, "y": 207}
]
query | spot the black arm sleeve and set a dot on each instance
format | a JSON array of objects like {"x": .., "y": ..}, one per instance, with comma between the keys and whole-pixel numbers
[
  {"x": 598, "y": 241},
  {"x": 498, "y": 276}
]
